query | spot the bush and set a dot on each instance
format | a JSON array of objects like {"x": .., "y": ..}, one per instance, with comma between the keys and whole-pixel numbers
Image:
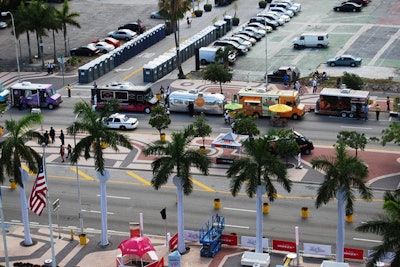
[{"x": 352, "y": 81}]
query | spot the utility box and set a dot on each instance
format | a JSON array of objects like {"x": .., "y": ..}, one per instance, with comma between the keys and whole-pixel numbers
[{"x": 174, "y": 259}]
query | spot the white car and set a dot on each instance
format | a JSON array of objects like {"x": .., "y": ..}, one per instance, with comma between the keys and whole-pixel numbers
[
  {"x": 239, "y": 41},
  {"x": 245, "y": 37},
  {"x": 294, "y": 6},
  {"x": 104, "y": 47},
  {"x": 272, "y": 16},
  {"x": 260, "y": 26},
  {"x": 123, "y": 34},
  {"x": 281, "y": 10},
  {"x": 121, "y": 122},
  {"x": 254, "y": 29},
  {"x": 285, "y": 17}
]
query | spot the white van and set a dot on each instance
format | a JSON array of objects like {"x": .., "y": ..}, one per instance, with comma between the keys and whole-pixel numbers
[
  {"x": 207, "y": 55},
  {"x": 311, "y": 39}
]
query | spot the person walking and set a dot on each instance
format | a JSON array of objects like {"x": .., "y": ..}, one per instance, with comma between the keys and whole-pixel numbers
[
  {"x": 52, "y": 134},
  {"x": 366, "y": 110},
  {"x": 69, "y": 151},
  {"x": 227, "y": 117},
  {"x": 189, "y": 22},
  {"x": 46, "y": 138},
  {"x": 388, "y": 104},
  {"x": 168, "y": 91},
  {"x": 297, "y": 86},
  {"x": 62, "y": 152},
  {"x": 314, "y": 84},
  {"x": 377, "y": 111},
  {"x": 62, "y": 137},
  {"x": 162, "y": 92},
  {"x": 69, "y": 90}
]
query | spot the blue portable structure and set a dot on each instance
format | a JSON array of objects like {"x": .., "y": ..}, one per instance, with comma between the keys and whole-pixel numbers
[{"x": 210, "y": 236}]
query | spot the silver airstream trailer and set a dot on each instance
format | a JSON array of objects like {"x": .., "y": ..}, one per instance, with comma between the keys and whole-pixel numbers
[{"x": 208, "y": 103}]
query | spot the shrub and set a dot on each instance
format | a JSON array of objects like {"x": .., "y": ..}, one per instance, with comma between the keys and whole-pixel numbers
[{"x": 352, "y": 81}]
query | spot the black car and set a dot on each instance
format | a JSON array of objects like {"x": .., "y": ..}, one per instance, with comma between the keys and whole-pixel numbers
[
  {"x": 348, "y": 7},
  {"x": 87, "y": 51},
  {"x": 133, "y": 26},
  {"x": 277, "y": 76},
  {"x": 305, "y": 144},
  {"x": 258, "y": 37},
  {"x": 265, "y": 21}
]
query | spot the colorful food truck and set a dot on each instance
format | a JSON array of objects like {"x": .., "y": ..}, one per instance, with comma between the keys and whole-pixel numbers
[{"x": 27, "y": 94}]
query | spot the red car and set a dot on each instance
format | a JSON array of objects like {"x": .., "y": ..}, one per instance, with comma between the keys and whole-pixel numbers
[{"x": 116, "y": 43}]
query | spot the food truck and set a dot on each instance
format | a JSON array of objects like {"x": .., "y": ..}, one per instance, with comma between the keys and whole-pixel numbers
[{"x": 27, "y": 94}]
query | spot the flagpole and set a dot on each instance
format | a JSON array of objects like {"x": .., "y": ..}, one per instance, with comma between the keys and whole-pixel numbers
[
  {"x": 50, "y": 210},
  {"x": 3, "y": 231}
]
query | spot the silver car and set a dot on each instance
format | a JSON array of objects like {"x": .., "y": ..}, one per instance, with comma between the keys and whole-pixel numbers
[
  {"x": 245, "y": 37},
  {"x": 123, "y": 34}
]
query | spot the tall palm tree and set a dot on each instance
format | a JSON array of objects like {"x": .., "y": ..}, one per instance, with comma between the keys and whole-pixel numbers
[
  {"x": 387, "y": 226},
  {"x": 22, "y": 25},
  {"x": 257, "y": 169},
  {"x": 174, "y": 156},
  {"x": 98, "y": 136},
  {"x": 342, "y": 174},
  {"x": 67, "y": 18},
  {"x": 174, "y": 11},
  {"x": 13, "y": 151}
]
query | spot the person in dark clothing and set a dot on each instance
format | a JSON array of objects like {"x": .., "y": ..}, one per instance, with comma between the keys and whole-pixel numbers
[
  {"x": 62, "y": 138},
  {"x": 377, "y": 111},
  {"x": 46, "y": 138},
  {"x": 52, "y": 134},
  {"x": 69, "y": 151},
  {"x": 191, "y": 108}
]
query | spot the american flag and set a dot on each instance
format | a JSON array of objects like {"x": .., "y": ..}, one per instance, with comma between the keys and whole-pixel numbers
[{"x": 37, "y": 201}]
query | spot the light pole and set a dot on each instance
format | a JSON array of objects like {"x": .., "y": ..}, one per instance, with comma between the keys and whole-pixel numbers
[
  {"x": 3, "y": 14},
  {"x": 78, "y": 182}
]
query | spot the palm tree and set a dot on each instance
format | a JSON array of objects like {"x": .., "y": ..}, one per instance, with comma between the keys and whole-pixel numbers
[
  {"x": 22, "y": 25},
  {"x": 13, "y": 150},
  {"x": 342, "y": 173},
  {"x": 67, "y": 18},
  {"x": 175, "y": 156},
  {"x": 174, "y": 11},
  {"x": 98, "y": 136},
  {"x": 387, "y": 226},
  {"x": 257, "y": 170}
]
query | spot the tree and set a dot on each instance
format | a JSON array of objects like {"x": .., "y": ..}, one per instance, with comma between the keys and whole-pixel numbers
[
  {"x": 216, "y": 73},
  {"x": 201, "y": 128},
  {"x": 159, "y": 118},
  {"x": 222, "y": 55},
  {"x": 352, "y": 81},
  {"x": 285, "y": 145},
  {"x": 22, "y": 25},
  {"x": 245, "y": 124},
  {"x": 353, "y": 139},
  {"x": 391, "y": 134},
  {"x": 175, "y": 155},
  {"x": 67, "y": 18},
  {"x": 173, "y": 11},
  {"x": 98, "y": 136},
  {"x": 342, "y": 174},
  {"x": 387, "y": 226},
  {"x": 257, "y": 170},
  {"x": 13, "y": 150}
]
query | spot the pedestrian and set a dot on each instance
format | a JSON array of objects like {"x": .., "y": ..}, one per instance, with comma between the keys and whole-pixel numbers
[
  {"x": 227, "y": 117},
  {"x": 388, "y": 103},
  {"x": 62, "y": 152},
  {"x": 162, "y": 92},
  {"x": 46, "y": 138},
  {"x": 168, "y": 91},
  {"x": 69, "y": 90},
  {"x": 94, "y": 85},
  {"x": 286, "y": 80},
  {"x": 299, "y": 166},
  {"x": 338, "y": 83},
  {"x": 366, "y": 110},
  {"x": 52, "y": 68},
  {"x": 377, "y": 111},
  {"x": 48, "y": 68},
  {"x": 69, "y": 151},
  {"x": 191, "y": 108},
  {"x": 189, "y": 22},
  {"x": 52, "y": 134},
  {"x": 314, "y": 84},
  {"x": 62, "y": 137},
  {"x": 297, "y": 86},
  {"x": 166, "y": 102}
]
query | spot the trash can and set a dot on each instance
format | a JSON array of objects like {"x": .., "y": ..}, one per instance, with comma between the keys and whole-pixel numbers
[
  {"x": 304, "y": 212},
  {"x": 203, "y": 150},
  {"x": 1, "y": 130},
  {"x": 82, "y": 239},
  {"x": 13, "y": 184},
  {"x": 217, "y": 203},
  {"x": 349, "y": 217},
  {"x": 158, "y": 97},
  {"x": 48, "y": 263},
  {"x": 265, "y": 208},
  {"x": 162, "y": 137}
]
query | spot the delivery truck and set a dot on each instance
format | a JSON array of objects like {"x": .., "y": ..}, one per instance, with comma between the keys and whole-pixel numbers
[{"x": 207, "y": 55}]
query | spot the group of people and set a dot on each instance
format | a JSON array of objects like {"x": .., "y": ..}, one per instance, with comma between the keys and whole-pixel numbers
[
  {"x": 50, "y": 68},
  {"x": 50, "y": 136}
]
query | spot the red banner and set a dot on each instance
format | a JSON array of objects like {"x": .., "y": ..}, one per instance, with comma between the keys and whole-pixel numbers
[
  {"x": 284, "y": 245},
  {"x": 353, "y": 253},
  {"x": 159, "y": 263},
  {"x": 231, "y": 240},
  {"x": 173, "y": 242}
]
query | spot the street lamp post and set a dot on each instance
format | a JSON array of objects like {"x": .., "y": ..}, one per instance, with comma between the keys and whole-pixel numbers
[
  {"x": 78, "y": 182},
  {"x": 3, "y": 14}
]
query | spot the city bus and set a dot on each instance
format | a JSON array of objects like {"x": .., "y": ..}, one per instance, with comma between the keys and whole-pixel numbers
[
  {"x": 34, "y": 95},
  {"x": 130, "y": 97},
  {"x": 342, "y": 102}
]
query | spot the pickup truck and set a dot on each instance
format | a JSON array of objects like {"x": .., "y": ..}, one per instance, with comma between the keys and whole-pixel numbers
[
  {"x": 277, "y": 76},
  {"x": 252, "y": 258}
]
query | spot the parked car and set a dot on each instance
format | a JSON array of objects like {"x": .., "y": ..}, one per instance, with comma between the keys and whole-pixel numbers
[
  {"x": 344, "y": 60},
  {"x": 272, "y": 17},
  {"x": 104, "y": 47},
  {"x": 251, "y": 34},
  {"x": 305, "y": 144},
  {"x": 3, "y": 25},
  {"x": 286, "y": 6},
  {"x": 87, "y": 51},
  {"x": 260, "y": 26},
  {"x": 241, "y": 49},
  {"x": 265, "y": 21},
  {"x": 155, "y": 15},
  {"x": 360, "y": 2},
  {"x": 245, "y": 37},
  {"x": 121, "y": 122},
  {"x": 112, "y": 41},
  {"x": 277, "y": 75},
  {"x": 281, "y": 10},
  {"x": 296, "y": 7},
  {"x": 133, "y": 26},
  {"x": 238, "y": 41},
  {"x": 123, "y": 34},
  {"x": 285, "y": 17},
  {"x": 348, "y": 7}
]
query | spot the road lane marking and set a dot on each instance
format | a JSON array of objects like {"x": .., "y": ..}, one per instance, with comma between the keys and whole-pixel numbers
[
  {"x": 237, "y": 226},
  {"x": 96, "y": 211},
  {"x": 235, "y": 209},
  {"x": 207, "y": 188},
  {"x": 367, "y": 240},
  {"x": 137, "y": 177},
  {"x": 84, "y": 175},
  {"x": 352, "y": 127},
  {"x": 118, "y": 197}
]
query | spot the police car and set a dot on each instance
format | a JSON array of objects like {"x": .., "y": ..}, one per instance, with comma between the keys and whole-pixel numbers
[{"x": 121, "y": 122}]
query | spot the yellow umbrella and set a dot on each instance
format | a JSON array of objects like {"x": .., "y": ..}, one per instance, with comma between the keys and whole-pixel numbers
[{"x": 279, "y": 108}]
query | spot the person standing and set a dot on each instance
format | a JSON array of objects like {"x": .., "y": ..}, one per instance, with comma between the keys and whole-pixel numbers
[
  {"x": 377, "y": 111},
  {"x": 69, "y": 90},
  {"x": 46, "y": 138},
  {"x": 227, "y": 117},
  {"x": 388, "y": 104},
  {"x": 69, "y": 151},
  {"x": 366, "y": 110},
  {"x": 168, "y": 91},
  {"x": 297, "y": 86},
  {"x": 162, "y": 92},
  {"x": 52, "y": 134},
  {"x": 62, "y": 152},
  {"x": 189, "y": 22},
  {"x": 62, "y": 137},
  {"x": 314, "y": 84}
]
